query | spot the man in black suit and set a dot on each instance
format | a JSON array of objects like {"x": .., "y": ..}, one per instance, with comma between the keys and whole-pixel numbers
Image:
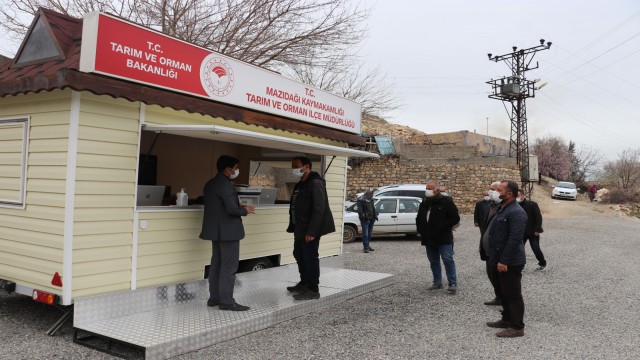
[{"x": 222, "y": 224}]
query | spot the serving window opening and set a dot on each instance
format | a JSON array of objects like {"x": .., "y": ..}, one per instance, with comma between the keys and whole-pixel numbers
[{"x": 169, "y": 163}]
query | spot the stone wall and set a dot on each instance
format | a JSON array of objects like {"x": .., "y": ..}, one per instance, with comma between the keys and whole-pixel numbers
[{"x": 465, "y": 179}]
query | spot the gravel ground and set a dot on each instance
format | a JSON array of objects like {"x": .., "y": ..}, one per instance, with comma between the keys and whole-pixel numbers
[{"x": 584, "y": 306}]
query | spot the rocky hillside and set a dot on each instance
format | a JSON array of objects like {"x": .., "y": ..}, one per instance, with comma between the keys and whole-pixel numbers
[{"x": 373, "y": 125}]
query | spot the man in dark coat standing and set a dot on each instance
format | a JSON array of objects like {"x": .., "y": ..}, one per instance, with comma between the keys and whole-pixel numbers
[
  {"x": 506, "y": 255},
  {"x": 436, "y": 218},
  {"x": 222, "y": 225},
  {"x": 368, "y": 216},
  {"x": 309, "y": 218},
  {"x": 534, "y": 227},
  {"x": 484, "y": 211}
]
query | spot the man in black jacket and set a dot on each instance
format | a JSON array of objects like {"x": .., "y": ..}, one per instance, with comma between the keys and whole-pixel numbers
[
  {"x": 534, "y": 227},
  {"x": 222, "y": 225},
  {"x": 436, "y": 218},
  {"x": 504, "y": 243},
  {"x": 309, "y": 218},
  {"x": 368, "y": 216}
]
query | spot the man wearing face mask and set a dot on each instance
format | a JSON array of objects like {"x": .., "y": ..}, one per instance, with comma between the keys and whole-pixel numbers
[
  {"x": 534, "y": 227},
  {"x": 222, "y": 225},
  {"x": 309, "y": 218},
  {"x": 368, "y": 216},
  {"x": 507, "y": 258},
  {"x": 493, "y": 198},
  {"x": 436, "y": 218}
]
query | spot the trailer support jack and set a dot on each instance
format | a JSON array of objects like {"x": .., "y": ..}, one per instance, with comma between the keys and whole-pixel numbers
[{"x": 68, "y": 315}]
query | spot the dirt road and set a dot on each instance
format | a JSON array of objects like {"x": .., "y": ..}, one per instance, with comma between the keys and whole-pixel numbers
[{"x": 561, "y": 208}]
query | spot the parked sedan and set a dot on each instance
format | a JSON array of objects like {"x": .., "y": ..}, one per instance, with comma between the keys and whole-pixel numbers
[
  {"x": 396, "y": 215},
  {"x": 565, "y": 190}
]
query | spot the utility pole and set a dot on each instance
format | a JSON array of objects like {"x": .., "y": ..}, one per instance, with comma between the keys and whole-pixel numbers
[
  {"x": 487, "y": 126},
  {"x": 515, "y": 89}
]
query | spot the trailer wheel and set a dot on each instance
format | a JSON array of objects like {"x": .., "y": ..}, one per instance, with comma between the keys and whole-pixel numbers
[
  {"x": 256, "y": 264},
  {"x": 349, "y": 234}
]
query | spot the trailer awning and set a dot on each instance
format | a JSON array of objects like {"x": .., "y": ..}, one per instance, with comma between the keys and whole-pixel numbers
[{"x": 238, "y": 136}]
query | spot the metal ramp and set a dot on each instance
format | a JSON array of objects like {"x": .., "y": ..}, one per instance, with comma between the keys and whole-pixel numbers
[{"x": 171, "y": 320}]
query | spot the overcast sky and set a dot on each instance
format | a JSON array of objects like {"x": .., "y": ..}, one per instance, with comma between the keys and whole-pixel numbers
[{"x": 435, "y": 52}]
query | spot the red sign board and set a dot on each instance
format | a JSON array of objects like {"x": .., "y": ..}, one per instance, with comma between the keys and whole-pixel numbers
[{"x": 114, "y": 47}]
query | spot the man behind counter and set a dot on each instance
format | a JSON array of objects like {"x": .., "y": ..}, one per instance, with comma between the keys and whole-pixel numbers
[{"x": 222, "y": 224}]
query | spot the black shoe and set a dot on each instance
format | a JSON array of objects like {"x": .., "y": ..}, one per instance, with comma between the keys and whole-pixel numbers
[
  {"x": 366, "y": 251},
  {"x": 435, "y": 286},
  {"x": 495, "y": 301},
  {"x": 212, "y": 303},
  {"x": 297, "y": 288},
  {"x": 370, "y": 249},
  {"x": 234, "y": 307},
  {"x": 307, "y": 295}
]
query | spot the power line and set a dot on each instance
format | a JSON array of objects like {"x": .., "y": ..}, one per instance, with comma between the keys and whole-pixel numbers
[
  {"x": 601, "y": 68},
  {"x": 603, "y": 36},
  {"x": 604, "y": 53},
  {"x": 598, "y": 129}
]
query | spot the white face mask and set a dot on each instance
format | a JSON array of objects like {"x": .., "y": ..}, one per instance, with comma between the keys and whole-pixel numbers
[
  {"x": 495, "y": 196},
  {"x": 487, "y": 198},
  {"x": 298, "y": 172},
  {"x": 428, "y": 193},
  {"x": 235, "y": 174}
]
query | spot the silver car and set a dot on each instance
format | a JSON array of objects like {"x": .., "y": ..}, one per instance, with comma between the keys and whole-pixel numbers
[{"x": 396, "y": 215}]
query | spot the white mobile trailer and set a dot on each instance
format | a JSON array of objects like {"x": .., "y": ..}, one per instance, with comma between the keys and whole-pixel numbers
[{"x": 70, "y": 154}]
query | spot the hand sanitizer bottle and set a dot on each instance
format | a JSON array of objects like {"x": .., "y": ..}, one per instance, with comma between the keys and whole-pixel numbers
[{"x": 182, "y": 199}]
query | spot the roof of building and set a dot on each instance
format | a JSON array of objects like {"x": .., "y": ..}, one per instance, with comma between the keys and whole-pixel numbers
[{"x": 55, "y": 65}]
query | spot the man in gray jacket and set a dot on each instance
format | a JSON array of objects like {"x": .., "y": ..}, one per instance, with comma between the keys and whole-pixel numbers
[
  {"x": 503, "y": 241},
  {"x": 222, "y": 224}
]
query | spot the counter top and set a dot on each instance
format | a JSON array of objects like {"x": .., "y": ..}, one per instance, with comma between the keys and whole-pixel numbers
[{"x": 198, "y": 208}]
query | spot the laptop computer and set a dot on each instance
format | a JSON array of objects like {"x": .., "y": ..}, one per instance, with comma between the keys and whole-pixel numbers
[
  {"x": 150, "y": 195},
  {"x": 268, "y": 196}
]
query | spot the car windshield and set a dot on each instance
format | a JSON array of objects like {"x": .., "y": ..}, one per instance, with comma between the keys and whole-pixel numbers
[{"x": 566, "y": 185}]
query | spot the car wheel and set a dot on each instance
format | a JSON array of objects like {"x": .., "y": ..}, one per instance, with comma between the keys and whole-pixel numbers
[
  {"x": 256, "y": 264},
  {"x": 349, "y": 234}
]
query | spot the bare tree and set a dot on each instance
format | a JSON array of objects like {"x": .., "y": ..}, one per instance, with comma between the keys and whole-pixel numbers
[
  {"x": 584, "y": 162},
  {"x": 287, "y": 36},
  {"x": 626, "y": 169},
  {"x": 554, "y": 158}
]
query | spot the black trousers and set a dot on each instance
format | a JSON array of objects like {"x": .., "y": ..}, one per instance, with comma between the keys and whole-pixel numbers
[
  {"x": 534, "y": 241},
  {"x": 222, "y": 272},
  {"x": 306, "y": 255},
  {"x": 510, "y": 285},
  {"x": 493, "y": 278}
]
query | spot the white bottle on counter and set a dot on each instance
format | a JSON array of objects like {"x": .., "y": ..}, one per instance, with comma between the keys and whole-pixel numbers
[{"x": 182, "y": 199}]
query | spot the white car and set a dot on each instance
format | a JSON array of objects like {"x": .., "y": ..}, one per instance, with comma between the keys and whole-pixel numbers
[
  {"x": 396, "y": 215},
  {"x": 414, "y": 190},
  {"x": 565, "y": 190}
]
